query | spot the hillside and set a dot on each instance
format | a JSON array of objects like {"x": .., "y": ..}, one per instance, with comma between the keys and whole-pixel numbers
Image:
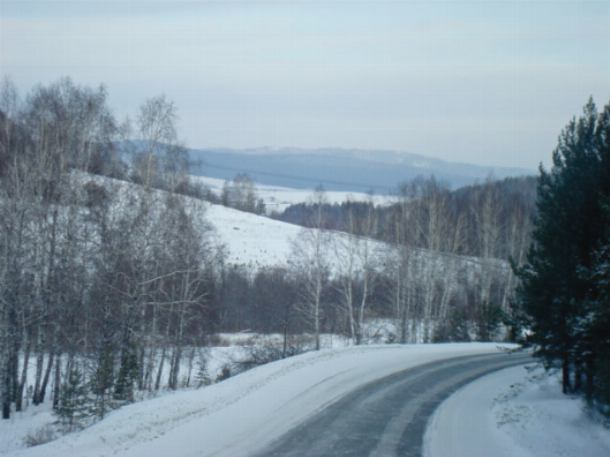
[
  {"x": 278, "y": 198},
  {"x": 339, "y": 169},
  {"x": 258, "y": 241}
]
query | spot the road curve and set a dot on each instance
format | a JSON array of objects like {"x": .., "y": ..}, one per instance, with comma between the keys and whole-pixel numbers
[{"x": 387, "y": 417}]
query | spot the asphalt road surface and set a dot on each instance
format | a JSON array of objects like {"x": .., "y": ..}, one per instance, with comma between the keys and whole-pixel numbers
[{"x": 387, "y": 417}]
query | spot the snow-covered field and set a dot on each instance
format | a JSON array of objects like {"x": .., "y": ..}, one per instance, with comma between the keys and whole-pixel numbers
[
  {"x": 515, "y": 413},
  {"x": 243, "y": 413},
  {"x": 278, "y": 198},
  {"x": 252, "y": 240},
  {"x": 248, "y": 239}
]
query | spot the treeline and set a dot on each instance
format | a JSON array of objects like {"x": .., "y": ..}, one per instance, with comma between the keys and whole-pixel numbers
[
  {"x": 564, "y": 293},
  {"x": 448, "y": 276},
  {"x": 428, "y": 299},
  {"x": 421, "y": 290},
  {"x": 492, "y": 219},
  {"x": 240, "y": 193}
]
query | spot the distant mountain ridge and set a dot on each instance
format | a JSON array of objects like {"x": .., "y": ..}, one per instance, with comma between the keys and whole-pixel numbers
[{"x": 339, "y": 169}]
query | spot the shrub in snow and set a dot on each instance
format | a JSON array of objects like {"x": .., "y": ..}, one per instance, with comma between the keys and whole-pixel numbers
[
  {"x": 454, "y": 328},
  {"x": 224, "y": 374},
  {"x": 40, "y": 436},
  {"x": 202, "y": 377}
]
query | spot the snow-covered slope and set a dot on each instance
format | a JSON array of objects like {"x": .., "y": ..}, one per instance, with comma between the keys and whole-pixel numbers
[
  {"x": 257, "y": 241},
  {"x": 246, "y": 412},
  {"x": 250, "y": 239},
  {"x": 247, "y": 239},
  {"x": 278, "y": 198}
]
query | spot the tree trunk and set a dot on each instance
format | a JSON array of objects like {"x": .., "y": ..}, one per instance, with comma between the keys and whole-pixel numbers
[
  {"x": 47, "y": 375},
  {"x": 175, "y": 367},
  {"x": 39, "y": 369},
  {"x": 57, "y": 382},
  {"x": 23, "y": 380},
  {"x": 6, "y": 391},
  {"x": 317, "y": 323},
  {"x": 565, "y": 374},
  {"x": 285, "y": 342},
  {"x": 160, "y": 370}
]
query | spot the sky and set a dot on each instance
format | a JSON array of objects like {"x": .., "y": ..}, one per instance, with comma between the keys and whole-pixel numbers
[{"x": 485, "y": 82}]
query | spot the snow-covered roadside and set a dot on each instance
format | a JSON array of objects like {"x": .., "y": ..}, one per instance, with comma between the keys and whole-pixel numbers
[
  {"x": 514, "y": 413},
  {"x": 29, "y": 424},
  {"x": 246, "y": 412}
]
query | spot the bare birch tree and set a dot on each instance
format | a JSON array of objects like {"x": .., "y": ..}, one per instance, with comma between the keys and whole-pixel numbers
[{"x": 309, "y": 259}]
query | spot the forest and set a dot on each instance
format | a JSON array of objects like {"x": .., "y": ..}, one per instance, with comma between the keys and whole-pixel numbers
[{"x": 563, "y": 297}]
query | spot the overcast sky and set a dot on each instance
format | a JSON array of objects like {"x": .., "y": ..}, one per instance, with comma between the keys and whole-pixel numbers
[{"x": 482, "y": 82}]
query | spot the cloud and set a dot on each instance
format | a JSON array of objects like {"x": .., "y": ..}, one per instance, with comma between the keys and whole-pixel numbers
[{"x": 436, "y": 78}]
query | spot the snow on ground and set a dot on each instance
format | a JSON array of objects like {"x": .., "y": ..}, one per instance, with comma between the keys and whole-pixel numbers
[
  {"x": 246, "y": 412},
  {"x": 250, "y": 239},
  {"x": 256, "y": 241},
  {"x": 278, "y": 198},
  {"x": 21, "y": 426},
  {"x": 514, "y": 413}
]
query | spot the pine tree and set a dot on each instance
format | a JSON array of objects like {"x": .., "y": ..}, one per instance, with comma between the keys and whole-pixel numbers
[
  {"x": 598, "y": 328},
  {"x": 128, "y": 373},
  {"x": 569, "y": 227},
  {"x": 74, "y": 400},
  {"x": 103, "y": 382}
]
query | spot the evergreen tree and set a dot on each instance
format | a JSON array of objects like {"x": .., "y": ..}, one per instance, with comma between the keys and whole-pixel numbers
[
  {"x": 598, "y": 328},
  {"x": 74, "y": 400},
  {"x": 102, "y": 382},
  {"x": 128, "y": 373},
  {"x": 570, "y": 227},
  {"x": 454, "y": 328}
]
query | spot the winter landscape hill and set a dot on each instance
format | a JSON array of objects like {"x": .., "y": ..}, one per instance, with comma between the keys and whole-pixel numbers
[
  {"x": 340, "y": 169},
  {"x": 304, "y": 228},
  {"x": 256, "y": 241}
]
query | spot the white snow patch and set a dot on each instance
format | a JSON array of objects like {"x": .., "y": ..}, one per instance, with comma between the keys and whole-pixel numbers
[
  {"x": 511, "y": 413},
  {"x": 252, "y": 240},
  {"x": 278, "y": 198}
]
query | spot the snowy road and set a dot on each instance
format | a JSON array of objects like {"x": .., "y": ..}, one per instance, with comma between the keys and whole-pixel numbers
[
  {"x": 386, "y": 417},
  {"x": 268, "y": 405}
]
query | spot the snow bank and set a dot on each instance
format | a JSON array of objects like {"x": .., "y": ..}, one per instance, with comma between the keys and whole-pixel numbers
[
  {"x": 510, "y": 413},
  {"x": 32, "y": 423},
  {"x": 246, "y": 412}
]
